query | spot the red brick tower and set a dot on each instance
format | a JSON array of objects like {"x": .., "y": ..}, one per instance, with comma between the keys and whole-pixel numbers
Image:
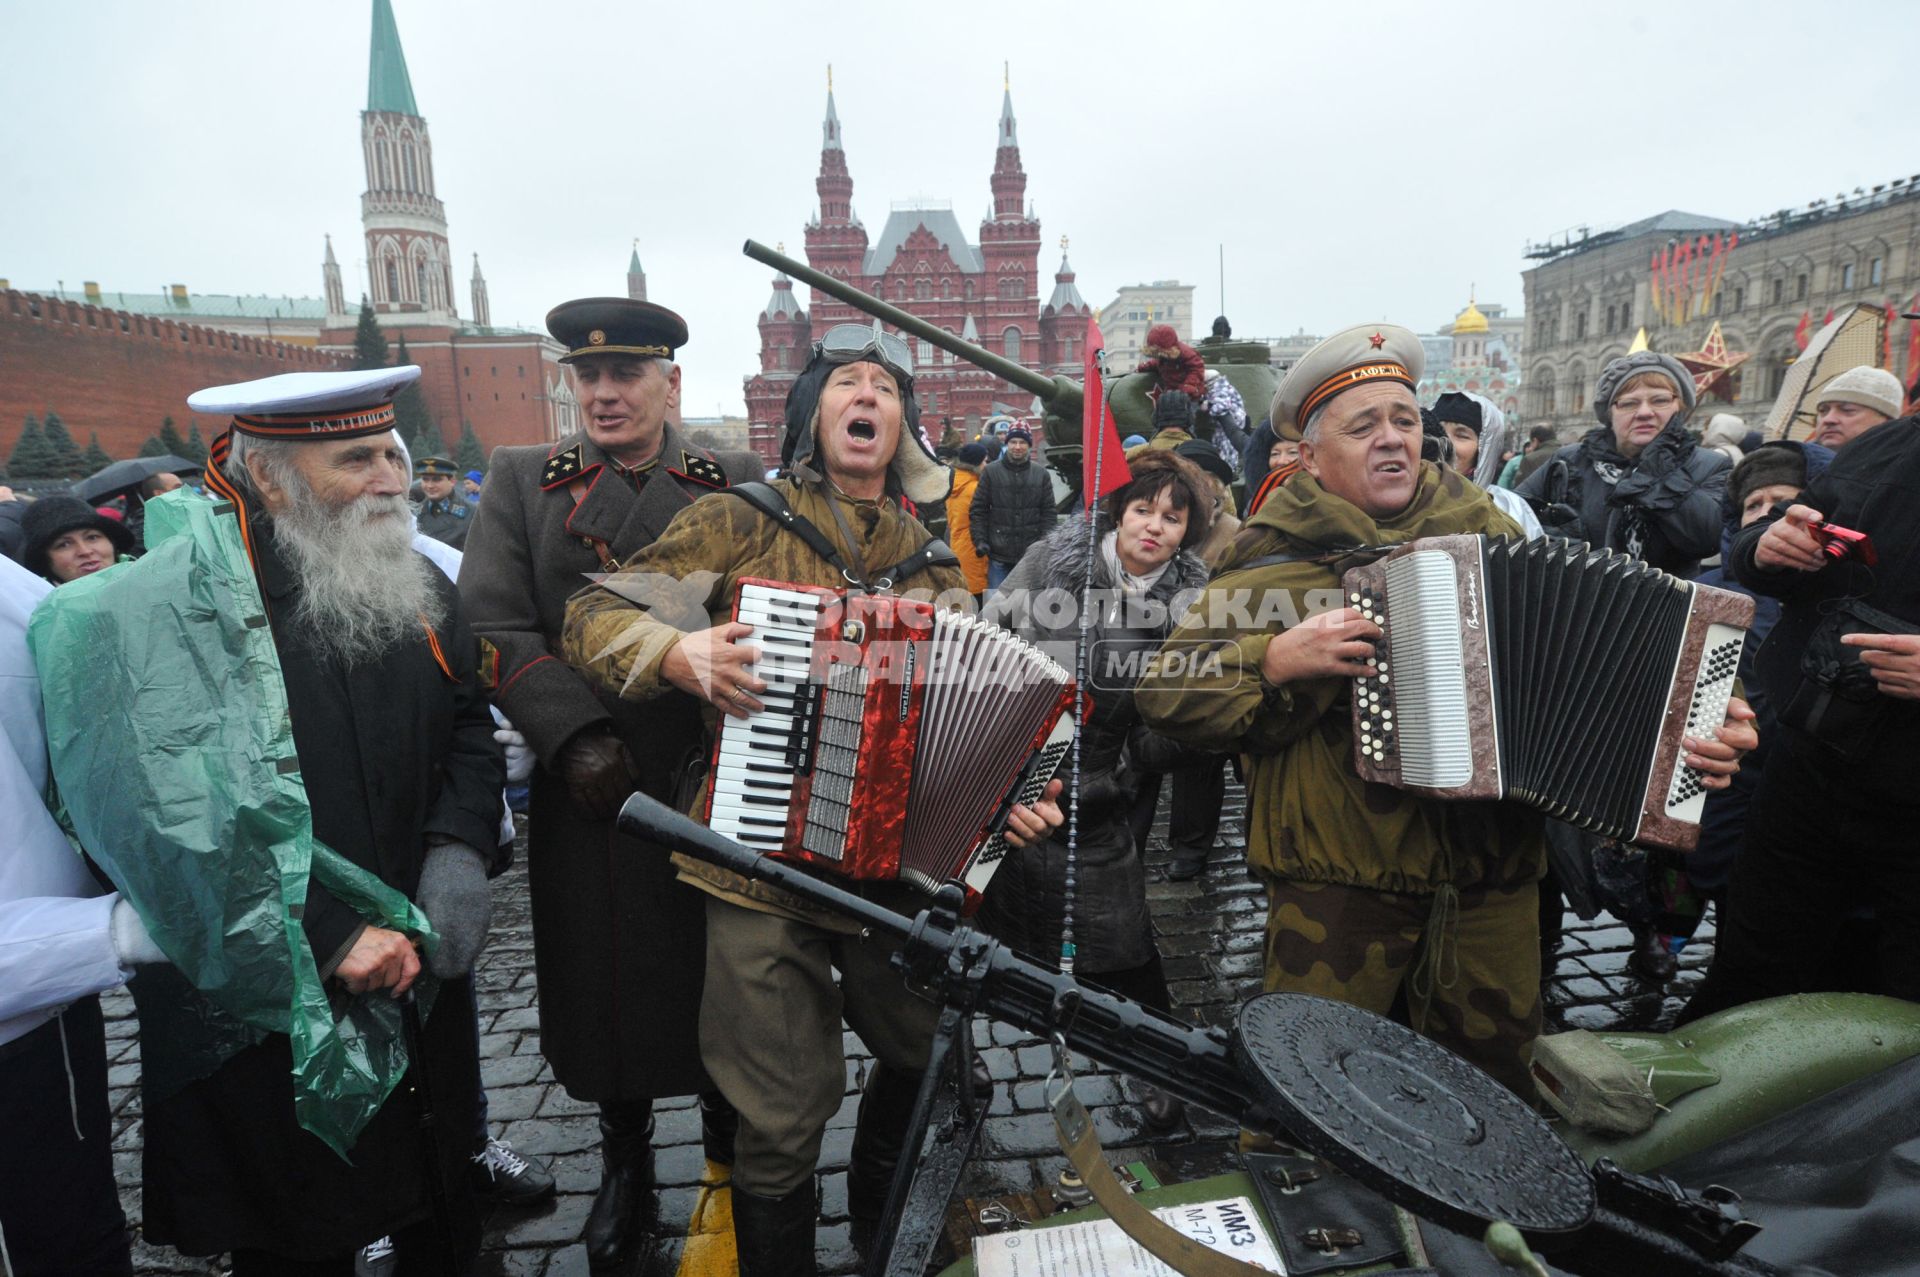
[
  {"x": 785, "y": 338},
  {"x": 1010, "y": 251},
  {"x": 836, "y": 241},
  {"x": 1063, "y": 322},
  {"x": 409, "y": 266}
]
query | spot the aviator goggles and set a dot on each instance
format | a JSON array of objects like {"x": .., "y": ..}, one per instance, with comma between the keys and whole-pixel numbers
[{"x": 846, "y": 343}]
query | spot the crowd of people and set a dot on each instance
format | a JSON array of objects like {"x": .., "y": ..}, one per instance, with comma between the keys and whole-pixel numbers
[{"x": 573, "y": 631}]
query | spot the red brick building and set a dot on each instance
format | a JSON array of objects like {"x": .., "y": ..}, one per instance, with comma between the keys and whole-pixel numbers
[
  {"x": 988, "y": 293},
  {"x": 117, "y": 363}
]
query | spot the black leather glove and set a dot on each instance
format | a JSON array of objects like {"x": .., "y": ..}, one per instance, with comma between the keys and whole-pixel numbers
[{"x": 598, "y": 771}]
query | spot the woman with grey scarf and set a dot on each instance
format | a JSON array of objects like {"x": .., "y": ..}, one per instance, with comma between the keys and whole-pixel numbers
[{"x": 1637, "y": 483}]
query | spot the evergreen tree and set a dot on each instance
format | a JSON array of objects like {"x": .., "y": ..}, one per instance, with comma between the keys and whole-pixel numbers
[
  {"x": 423, "y": 446},
  {"x": 469, "y": 456},
  {"x": 63, "y": 454},
  {"x": 29, "y": 457},
  {"x": 95, "y": 458},
  {"x": 171, "y": 443},
  {"x": 152, "y": 447},
  {"x": 196, "y": 446},
  {"x": 410, "y": 415},
  {"x": 369, "y": 344}
]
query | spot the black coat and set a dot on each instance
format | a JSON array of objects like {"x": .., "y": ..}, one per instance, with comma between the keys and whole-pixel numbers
[
  {"x": 1026, "y": 898},
  {"x": 1872, "y": 486},
  {"x": 1012, "y": 509},
  {"x": 1673, "y": 488},
  {"x": 619, "y": 943},
  {"x": 390, "y": 753}
]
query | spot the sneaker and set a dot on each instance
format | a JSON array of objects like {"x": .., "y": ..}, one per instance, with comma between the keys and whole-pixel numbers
[
  {"x": 502, "y": 1175},
  {"x": 377, "y": 1259}
]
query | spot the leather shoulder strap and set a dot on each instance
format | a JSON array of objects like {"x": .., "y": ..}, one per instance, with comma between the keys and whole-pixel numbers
[
  {"x": 768, "y": 501},
  {"x": 935, "y": 553}
]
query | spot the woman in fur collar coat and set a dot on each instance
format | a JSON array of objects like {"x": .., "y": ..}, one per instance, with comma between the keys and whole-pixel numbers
[{"x": 1144, "y": 573}]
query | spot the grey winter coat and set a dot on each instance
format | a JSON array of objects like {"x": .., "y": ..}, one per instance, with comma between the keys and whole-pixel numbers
[
  {"x": 1026, "y": 900},
  {"x": 1012, "y": 509},
  {"x": 1668, "y": 498}
]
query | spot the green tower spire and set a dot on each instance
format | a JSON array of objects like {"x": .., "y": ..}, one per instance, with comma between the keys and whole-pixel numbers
[{"x": 388, "y": 86}]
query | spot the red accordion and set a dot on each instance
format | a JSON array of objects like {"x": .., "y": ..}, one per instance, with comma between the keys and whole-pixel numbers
[{"x": 895, "y": 740}]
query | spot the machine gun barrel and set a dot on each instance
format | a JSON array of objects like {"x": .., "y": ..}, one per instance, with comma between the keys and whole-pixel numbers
[{"x": 1061, "y": 395}]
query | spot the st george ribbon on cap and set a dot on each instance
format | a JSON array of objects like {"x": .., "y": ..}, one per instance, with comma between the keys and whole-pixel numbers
[
  {"x": 1351, "y": 357},
  {"x": 310, "y": 405}
]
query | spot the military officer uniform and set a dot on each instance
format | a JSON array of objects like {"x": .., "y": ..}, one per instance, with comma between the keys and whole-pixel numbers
[
  {"x": 619, "y": 944},
  {"x": 447, "y": 519}
]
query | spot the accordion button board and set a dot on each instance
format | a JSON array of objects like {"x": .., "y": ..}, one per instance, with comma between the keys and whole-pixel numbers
[{"x": 1547, "y": 673}]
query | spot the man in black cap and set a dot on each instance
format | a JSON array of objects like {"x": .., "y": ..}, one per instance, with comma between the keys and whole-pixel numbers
[
  {"x": 1012, "y": 507},
  {"x": 619, "y": 945},
  {"x": 770, "y": 1026},
  {"x": 442, "y": 516}
]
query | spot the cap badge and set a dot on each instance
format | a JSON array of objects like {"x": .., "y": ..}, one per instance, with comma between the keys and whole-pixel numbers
[
  {"x": 598, "y": 337},
  {"x": 1376, "y": 341}
]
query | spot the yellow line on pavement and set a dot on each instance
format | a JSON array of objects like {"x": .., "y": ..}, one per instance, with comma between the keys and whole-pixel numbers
[{"x": 710, "y": 1251}]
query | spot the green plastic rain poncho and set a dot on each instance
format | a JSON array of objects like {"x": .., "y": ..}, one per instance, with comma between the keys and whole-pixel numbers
[{"x": 173, "y": 756}]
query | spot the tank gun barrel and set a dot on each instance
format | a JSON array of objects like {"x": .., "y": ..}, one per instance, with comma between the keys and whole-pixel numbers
[{"x": 1061, "y": 395}]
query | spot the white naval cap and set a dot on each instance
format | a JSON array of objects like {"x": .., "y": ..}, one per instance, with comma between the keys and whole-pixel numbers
[{"x": 310, "y": 405}]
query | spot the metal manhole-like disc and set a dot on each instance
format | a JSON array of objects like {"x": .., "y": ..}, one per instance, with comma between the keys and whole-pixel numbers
[{"x": 1408, "y": 1118}]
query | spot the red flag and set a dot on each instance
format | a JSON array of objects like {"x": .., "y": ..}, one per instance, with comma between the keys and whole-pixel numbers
[
  {"x": 1913, "y": 358},
  {"x": 1800, "y": 336},
  {"x": 1886, "y": 338},
  {"x": 1103, "y": 463}
]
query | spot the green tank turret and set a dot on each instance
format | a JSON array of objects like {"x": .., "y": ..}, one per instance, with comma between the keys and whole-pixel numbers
[{"x": 1243, "y": 363}]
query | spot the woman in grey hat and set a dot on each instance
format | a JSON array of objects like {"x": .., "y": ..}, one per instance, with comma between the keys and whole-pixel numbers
[{"x": 1637, "y": 482}]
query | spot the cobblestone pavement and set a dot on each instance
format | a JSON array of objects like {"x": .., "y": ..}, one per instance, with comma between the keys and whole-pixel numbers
[{"x": 1210, "y": 935}]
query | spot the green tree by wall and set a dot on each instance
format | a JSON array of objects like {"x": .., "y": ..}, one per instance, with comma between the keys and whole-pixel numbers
[
  {"x": 369, "y": 343},
  {"x": 95, "y": 458},
  {"x": 63, "y": 454},
  {"x": 469, "y": 455},
  {"x": 171, "y": 443},
  {"x": 29, "y": 457},
  {"x": 410, "y": 416},
  {"x": 196, "y": 446}
]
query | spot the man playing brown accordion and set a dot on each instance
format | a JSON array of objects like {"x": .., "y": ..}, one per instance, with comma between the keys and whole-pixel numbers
[{"x": 770, "y": 1021}]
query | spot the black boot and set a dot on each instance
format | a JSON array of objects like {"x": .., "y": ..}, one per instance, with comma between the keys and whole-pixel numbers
[
  {"x": 719, "y": 1122},
  {"x": 774, "y": 1235},
  {"x": 879, "y": 1133},
  {"x": 613, "y": 1231}
]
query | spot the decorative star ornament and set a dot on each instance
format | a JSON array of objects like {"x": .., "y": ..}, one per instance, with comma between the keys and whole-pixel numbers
[
  {"x": 1713, "y": 364},
  {"x": 1377, "y": 341}
]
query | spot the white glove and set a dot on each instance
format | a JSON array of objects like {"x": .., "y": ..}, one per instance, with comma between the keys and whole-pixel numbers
[
  {"x": 519, "y": 756},
  {"x": 131, "y": 943}
]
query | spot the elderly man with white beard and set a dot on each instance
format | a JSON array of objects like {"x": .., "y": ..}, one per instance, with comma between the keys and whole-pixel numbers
[{"x": 396, "y": 754}]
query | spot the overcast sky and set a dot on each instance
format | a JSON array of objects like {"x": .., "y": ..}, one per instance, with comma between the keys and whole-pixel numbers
[{"x": 1358, "y": 161}]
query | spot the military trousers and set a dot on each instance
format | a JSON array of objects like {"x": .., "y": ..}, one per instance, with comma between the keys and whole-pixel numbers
[
  {"x": 1470, "y": 971},
  {"x": 771, "y": 1039}
]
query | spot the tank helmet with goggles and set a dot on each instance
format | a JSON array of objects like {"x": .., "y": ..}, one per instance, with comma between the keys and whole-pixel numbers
[
  {"x": 850, "y": 343},
  {"x": 916, "y": 472}
]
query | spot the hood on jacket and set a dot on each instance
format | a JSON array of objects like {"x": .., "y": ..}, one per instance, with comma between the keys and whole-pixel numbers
[{"x": 1493, "y": 441}]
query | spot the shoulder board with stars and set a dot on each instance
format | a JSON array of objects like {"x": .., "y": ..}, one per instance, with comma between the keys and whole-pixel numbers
[
  {"x": 702, "y": 470},
  {"x": 562, "y": 467}
]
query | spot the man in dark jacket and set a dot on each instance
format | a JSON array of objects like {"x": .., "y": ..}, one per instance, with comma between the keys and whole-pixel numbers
[
  {"x": 1832, "y": 825},
  {"x": 618, "y": 944},
  {"x": 395, "y": 751},
  {"x": 1012, "y": 507},
  {"x": 1637, "y": 483}
]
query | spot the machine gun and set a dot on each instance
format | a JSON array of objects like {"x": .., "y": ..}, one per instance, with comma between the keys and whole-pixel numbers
[{"x": 1396, "y": 1112}]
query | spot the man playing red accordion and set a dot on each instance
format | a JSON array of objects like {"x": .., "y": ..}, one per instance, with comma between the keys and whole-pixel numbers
[{"x": 770, "y": 1021}]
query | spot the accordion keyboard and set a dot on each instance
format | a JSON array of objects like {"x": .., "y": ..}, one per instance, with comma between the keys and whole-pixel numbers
[
  {"x": 1719, "y": 663},
  {"x": 761, "y": 755}
]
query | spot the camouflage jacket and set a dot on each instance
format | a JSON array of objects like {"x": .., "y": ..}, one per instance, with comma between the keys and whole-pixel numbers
[
  {"x": 688, "y": 579},
  {"x": 1310, "y": 817}
]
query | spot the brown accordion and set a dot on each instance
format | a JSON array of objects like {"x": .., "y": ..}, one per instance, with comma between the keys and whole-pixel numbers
[
  {"x": 895, "y": 740},
  {"x": 1548, "y": 673}
]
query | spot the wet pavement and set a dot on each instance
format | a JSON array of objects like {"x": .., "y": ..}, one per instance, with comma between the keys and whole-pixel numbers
[{"x": 1210, "y": 937}]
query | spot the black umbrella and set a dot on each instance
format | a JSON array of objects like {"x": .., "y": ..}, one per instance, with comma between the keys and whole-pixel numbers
[{"x": 124, "y": 476}]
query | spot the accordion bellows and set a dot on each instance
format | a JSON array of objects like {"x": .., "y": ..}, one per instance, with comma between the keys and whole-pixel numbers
[
  {"x": 1548, "y": 673},
  {"x": 895, "y": 738}
]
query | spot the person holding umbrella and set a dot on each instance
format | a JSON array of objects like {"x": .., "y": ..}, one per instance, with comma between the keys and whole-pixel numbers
[{"x": 138, "y": 480}]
